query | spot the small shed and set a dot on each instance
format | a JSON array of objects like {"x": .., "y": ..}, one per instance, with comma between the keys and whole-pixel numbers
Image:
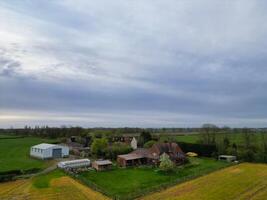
[
  {"x": 101, "y": 165},
  {"x": 227, "y": 158},
  {"x": 48, "y": 151}
]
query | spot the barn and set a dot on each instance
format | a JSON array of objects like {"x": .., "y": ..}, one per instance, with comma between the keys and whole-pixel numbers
[{"x": 48, "y": 151}]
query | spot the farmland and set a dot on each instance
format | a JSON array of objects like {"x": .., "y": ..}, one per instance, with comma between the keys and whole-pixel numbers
[
  {"x": 55, "y": 185},
  {"x": 233, "y": 137},
  {"x": 244, "y": 181},
  {"x": 132, "y": 182},
  {"x": 14, "y": 154}
]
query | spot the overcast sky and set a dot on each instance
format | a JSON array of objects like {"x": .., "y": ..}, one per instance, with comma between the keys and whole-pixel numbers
[{"x": 145, "y": 63}]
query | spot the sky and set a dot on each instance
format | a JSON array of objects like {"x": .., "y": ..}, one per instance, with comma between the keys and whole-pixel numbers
[{"x": 153, "y": 63}]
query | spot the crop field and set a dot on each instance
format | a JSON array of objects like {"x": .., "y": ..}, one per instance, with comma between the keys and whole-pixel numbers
[
  {"x": 133, "y": 182},
  {"x": 53, "y": 186},
  {"x": 14, "y": 154},
  {"x": 240, "y": 182}
]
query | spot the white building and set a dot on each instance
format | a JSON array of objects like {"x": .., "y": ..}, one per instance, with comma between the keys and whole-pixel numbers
[
  {"x": 227, "y": 158},
  {"x": 134, "y": 143},
  {"x": 74, "y": 164},
  {"x": 46, "y": 151}
]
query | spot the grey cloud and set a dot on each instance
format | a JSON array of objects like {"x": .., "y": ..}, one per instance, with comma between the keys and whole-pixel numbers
[{"x": 203, "y": 58}]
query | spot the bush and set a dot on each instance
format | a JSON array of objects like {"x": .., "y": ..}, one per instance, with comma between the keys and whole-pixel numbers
[
  {"x": 166, "y": 164},
  {"x": 9, "y": 175},
  {"x": 149, "y": 143}
]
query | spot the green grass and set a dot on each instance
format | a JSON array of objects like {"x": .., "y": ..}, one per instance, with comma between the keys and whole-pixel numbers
[
  {"x": 14, "y": 154},
  {"x": 9, "y": 136},
  {"x": 133, "y": 182},
  {"x": 43, "y": 181}
]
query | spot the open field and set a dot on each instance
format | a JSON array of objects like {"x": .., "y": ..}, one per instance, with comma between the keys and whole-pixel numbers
[
  {"x": 233, "y": 137},
  {"x": 242, "y": 182},
  {"x": 133, "y": 182},
  {"x": 14, "y": 154},
  {"x": 53, "y": 186}
]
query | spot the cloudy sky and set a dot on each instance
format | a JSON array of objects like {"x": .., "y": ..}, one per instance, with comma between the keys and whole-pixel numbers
[{"x": 152, "y": 63}]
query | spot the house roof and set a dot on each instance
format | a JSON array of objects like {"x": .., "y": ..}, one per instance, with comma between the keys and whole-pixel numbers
[
  {"x": 103, "y": 162},
  {"x": 43, "y": 146},
  {"x": 172, "y": 149}
]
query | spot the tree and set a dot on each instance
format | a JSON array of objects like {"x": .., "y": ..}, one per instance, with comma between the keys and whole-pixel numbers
[
  {"x": 166, "y": 164},
  {"x": 118, "y": 148},
  {"x": 99, "y": 146},
  {"x": 145, "y": 136},
  {"x": 249, "y": 151},
  {"x": 208, "y": 134}
]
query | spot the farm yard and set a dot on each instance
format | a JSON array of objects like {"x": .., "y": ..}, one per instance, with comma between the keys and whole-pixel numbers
[
  {"x": 14, "y": 153},
  {"x": 244, "y": 181},
  {"x": 55, "y": 185},
  {"x": 130, "y": 183}
]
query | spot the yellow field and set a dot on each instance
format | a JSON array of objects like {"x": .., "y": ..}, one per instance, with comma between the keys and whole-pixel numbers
[
  {"x": 240, "y": 182},
  {"x": 60, "y": 188}
]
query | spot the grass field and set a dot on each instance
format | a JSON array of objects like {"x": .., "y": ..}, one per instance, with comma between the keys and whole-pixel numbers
[
  {"x": 14, "y": 154},
  {"x": 53, "y": 186},
  {"x": 240, "y": 182},
  {"x": 234, "y": 138},
  {"x": 132, "y": 182}
]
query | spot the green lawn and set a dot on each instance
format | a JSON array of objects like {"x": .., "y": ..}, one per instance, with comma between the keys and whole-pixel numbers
[
  {"x": 14, "y": 154},
  {"x": 133, "y": 182}
]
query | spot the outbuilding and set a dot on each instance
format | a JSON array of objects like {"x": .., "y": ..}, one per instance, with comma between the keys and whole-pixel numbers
[
  {"x": 101, "y": 165},
  {"x": 227, "y": 158},
  {"x": 48, "y": 151},
  {"x": 71, "y": 164}
]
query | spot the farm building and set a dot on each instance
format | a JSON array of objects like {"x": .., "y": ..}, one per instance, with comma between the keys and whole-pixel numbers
[
  {"x": 227, "y": 158},
  {"x": 47, "y": 151},
  {"x": 74, "y": 164},
  {"x": 101, "y": 165},
  {"x": 152, "y": 155}
]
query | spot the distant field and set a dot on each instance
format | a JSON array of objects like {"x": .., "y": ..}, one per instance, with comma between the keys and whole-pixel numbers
[
  {"x": 242, "y": 182},
  {"x": 14, "y": 154},
  {"x": 53, "y": 186},
  {"x": 132, "y": 182},
  {"x": 233, "y": 137},
  {"x": 8, "y": 136}
]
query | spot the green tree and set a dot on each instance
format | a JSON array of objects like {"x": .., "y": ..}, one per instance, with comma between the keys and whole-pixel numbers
[
  {"x": 145, "y": 136},
  {"x": 166, "y": 164},
  {"x": 99, "y": 146},
  {"x": 118, "y": 148},
  {"x": 208, "y": 134}
]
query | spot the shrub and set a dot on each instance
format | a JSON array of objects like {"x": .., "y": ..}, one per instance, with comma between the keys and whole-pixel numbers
[{"x": 166, "y": 164}]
